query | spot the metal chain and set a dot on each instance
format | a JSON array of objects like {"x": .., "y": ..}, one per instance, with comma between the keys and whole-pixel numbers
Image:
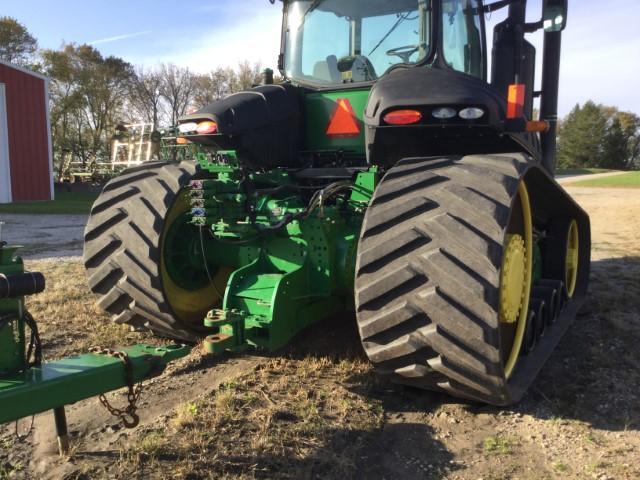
[
  {"x": 128, "y": 415},
  {"x": 22, "y": 438}
]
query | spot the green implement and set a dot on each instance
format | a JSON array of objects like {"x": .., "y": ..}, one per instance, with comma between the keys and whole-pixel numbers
[
  {"x": 28, "y": 386},
  {"x": 66, "y": 381}
]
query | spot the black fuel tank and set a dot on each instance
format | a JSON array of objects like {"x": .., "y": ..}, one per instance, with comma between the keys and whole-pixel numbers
[{"x": 262, "y": 124}]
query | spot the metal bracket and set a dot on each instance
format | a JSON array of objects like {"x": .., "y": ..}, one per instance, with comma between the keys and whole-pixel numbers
[{"x": 231, "y": 331}]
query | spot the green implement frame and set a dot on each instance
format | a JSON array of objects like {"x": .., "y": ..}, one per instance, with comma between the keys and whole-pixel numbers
[
  {"x": 29, "y": 387},
  {"x": 66, "y": 381}
]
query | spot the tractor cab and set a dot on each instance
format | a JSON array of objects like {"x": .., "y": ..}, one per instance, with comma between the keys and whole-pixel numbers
[
  {"x": 339, "y": 44},
  {"x": 423, "y": 64},
  {"x": 369, "y": 82}
]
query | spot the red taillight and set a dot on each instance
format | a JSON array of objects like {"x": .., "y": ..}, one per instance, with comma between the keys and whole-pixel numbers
[
  {"x": 207, "y": 128},
  {"x": 403, "y": 117}
]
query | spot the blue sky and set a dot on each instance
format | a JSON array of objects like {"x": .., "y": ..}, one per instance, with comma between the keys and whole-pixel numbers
[{"x": 601, "y": 56}]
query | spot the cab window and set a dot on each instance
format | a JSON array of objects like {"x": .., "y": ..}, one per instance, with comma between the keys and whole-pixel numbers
[{"x": 461, "y": 37}]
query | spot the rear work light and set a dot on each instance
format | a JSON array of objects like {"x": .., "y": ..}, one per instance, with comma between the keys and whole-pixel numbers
[
  {"x": 471, "y": 113},
  {"x": 444, "y": 113},
  {"x": 403, "y": 117},
  {"x": 188, "y": 127},
  {"x": 207, "y": 128}
]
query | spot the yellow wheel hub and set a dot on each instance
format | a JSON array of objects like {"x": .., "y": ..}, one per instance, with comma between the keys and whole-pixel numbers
[
  {"x": 190, "y": 306},
  {"x": 572, "y": 259},
  {"x": 513, "y": 278}
]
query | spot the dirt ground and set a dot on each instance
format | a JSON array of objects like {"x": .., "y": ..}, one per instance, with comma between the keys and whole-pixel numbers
[{"x": 318, "y": 411}]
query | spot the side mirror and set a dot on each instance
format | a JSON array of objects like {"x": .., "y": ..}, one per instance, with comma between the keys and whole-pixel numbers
[{"x": 555, "y": 15}]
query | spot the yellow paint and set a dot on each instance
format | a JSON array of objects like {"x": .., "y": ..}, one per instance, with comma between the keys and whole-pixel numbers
[
  {"x": 572, "y": 258},
  {"x": 525, "y": 204},
  {"x": 512, "y": 279}
]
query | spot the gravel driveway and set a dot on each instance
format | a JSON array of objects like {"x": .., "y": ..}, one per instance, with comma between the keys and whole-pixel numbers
[{"x": 45, "y": 236}]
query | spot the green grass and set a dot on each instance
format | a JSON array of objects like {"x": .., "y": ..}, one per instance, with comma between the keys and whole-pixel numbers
[
  {"x": 497, "y": 446},
  {"x": 581, "y": 171},
  {"x": 65, "y": 203},
  {"x": 625, "y": 180}
]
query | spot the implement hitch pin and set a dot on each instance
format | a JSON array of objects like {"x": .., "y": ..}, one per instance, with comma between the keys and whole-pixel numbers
[{"x": 61, "y": 431}]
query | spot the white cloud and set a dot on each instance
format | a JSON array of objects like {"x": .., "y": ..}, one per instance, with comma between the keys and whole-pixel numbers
[
  {"x": 256, "y": 39},
  {"x": 599, "y": 60},
  {"x": 117, "y": 38}
]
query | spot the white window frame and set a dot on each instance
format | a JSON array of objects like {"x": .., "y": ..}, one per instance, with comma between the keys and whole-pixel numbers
[{"x": 5, "y": 162}]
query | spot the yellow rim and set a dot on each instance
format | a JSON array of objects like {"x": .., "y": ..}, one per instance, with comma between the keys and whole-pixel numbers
[
  {"x": 572, "y": 258},
  {"x": 190, "y": 306},
  {"x": 515, "y": 281}
]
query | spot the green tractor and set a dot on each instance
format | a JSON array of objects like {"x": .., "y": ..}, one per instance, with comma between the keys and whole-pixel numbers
[{"x": 388, "y": 175}]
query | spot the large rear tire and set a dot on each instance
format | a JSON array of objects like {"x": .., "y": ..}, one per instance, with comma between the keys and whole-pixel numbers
[
  {"x": 440, "y": 304},
  {"x": 138, "y": 257}
]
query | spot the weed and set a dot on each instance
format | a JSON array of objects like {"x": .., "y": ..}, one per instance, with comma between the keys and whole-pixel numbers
[
  {"x": 185, "y": 415},
  {"x": 497, "y": 446},
  {"x": 595, "y": 438},
  {"x": 561, "y": 467}
]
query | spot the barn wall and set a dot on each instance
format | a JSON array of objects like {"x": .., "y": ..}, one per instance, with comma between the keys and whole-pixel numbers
[{"x": 28, "y": 131}]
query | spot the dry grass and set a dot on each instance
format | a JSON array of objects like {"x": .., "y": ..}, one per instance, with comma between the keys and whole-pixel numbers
[
  {"x": 69, "y": 320},
  {"x": 290, "y": 418}
]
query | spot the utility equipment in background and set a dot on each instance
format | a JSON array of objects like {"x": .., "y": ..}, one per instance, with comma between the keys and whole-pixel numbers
[
  {"x": 133, "y": 144},
  {"x": 390, "y": 174}
]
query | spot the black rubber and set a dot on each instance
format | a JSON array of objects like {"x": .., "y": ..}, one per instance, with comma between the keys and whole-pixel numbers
[
  {"x": 427, "y": 276},
  {"x": 122, "y": 246}
]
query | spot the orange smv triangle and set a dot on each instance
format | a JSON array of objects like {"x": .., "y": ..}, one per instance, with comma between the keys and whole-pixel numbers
[{"x": 344, "y": 122}]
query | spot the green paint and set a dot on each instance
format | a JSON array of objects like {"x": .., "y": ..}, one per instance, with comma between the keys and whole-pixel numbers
[
  {"x": 285, "y": 278},
  {"x": 319, "y": 110},
  {"x": 67, "y": 381},
  {"x": 12, "y": 339},
  {"x": 183, "y": 255},
  {"x": 28, "y": 391}
]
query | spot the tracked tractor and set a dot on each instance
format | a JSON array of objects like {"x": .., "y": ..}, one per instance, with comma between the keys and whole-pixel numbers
[{"x": 390, "y": 174}]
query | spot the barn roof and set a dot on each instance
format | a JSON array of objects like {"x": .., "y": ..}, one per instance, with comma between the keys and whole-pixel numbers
[{"x": 25, "y": 70}]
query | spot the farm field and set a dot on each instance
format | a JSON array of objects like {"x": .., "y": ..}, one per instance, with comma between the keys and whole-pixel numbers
[
  {"x": 66, "y": 203},
  {"x": 623, "y": 180},
  {"x": 316, "y": 410}
]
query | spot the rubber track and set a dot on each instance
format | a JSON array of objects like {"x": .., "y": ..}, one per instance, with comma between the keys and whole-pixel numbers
[
  {"x": 122, "y": 246},
  {"x": 427, "y": 278}
]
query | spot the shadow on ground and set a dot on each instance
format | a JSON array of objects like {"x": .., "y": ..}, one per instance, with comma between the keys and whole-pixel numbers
[{"x": 592, "y": 377}]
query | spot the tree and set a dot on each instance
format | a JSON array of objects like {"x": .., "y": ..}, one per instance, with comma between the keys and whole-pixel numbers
[
  {"x": 178, "y": 87},
  {"x": 17, "y": 45},
  {"x": 581, "y": 137},
  {"x": 215, "y": 85},
  {"x": 88, "y": 95},
  {"x": 145, "y": 97},
  {"x": 630, "y": 123},
  {"x": 247, "y": 76},
  {"x": 615, "y": 147}
]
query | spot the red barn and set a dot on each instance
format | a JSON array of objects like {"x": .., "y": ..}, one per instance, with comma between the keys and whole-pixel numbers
[{"x": 26, "y": 157}]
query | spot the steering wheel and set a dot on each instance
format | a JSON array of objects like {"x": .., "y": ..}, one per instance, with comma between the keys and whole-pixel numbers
[{"x": 404, "y": 52}]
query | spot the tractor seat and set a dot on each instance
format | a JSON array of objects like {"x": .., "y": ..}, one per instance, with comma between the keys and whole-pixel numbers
[{"x": 327, "y": 70}]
